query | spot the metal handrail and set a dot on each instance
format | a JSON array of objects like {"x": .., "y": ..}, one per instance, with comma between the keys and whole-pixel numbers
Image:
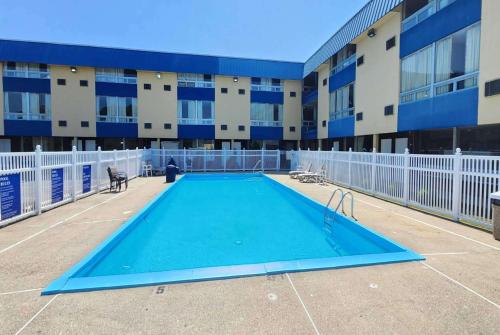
[
  {"x": 255, "y": 166},
  {"x": 342, "y": 203},
  {"x": 331, "y": 198}
]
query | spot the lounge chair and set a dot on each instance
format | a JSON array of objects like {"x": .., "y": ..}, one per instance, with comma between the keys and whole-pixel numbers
[
  {"x": 313, "y": 177},
  {"x": 299, "y": 171},
  {"x": 116, "y": 178}
]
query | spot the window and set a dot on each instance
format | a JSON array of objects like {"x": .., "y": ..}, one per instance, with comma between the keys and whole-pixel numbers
[
  {"x": 116, "y": 109},
  {"x": 241, "y": 91},
  {"x": 391, "y": 43},
  {"x": 63, "y": 123},
  {"x": 492, "y": 88},
  {"x": 448, "y": 65},
  {"x": 359, "y": 116},
  {"x": 266, "y": 84},
  {"x": 84, "y": 83},
  {"x": 360, "y": 61},
  {"x": 342, "y": 102},
  {"x": 325, "y": 81},
  {"x": 148, "y": 125},
  {"x": 84, "y": 124},
  {"x": 343, "y": 59},
  {"x": 223, "y": 127},
  {"x": 167, "y": 126},
  {"x": 223, "y": 90},
  {"x": 61, "y": 82},
  {"x": 195, "y": 112},
  {"x": 323, "y": 123},
  {"x": 416, "y": 11},
  {"x": 389, "y": 110},
  {"x": 241, "y": 128},
  {"x": 195, "y": 80},
  {"x": 266, "y": 115},
  {"x": 116, "y": 76},
  {"x": 26, "y": 70},
  {"x": 147, "y": 86},
  {"x": 293, "y": 94},
  {"x": 292, "y": 129},
  {"x": 27, "y": 106},
  {"x": 167, "y": 88}
]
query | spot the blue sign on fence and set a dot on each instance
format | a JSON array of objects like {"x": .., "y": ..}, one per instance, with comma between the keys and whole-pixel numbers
[
  {"x": 10, "y": 195},
  {"x": 57, "y": 177},
  {"x": 86, "y": 178}
]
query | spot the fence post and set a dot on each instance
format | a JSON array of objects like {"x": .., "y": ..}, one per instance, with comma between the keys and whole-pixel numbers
[
  {"x": 456, "y": 192},
  {"x": 406, "y": 177},
  {"x": 185, "y": 168},
  {"x": 73, "y": 172},
  {"x": 244, "y": 160},
  {"x": 205, "y": 160},
  {"x": 38, "y": 179},
  {"x": 262, "y": 159},
  {"x": 98, "y": 169},
  {"x": 115, "y": 158},
  {"x": 128, "y": 162},
  {"x": 137, "y": 162},
  {"x": 224, "y": 158},
  {"x": 374, "y": 169},
  {"x": 278, "y": 159},
  {"x": 350, "y": 167}
]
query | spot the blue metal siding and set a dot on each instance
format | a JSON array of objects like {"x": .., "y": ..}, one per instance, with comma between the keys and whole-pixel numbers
[
  {"x": 342, "y": 78},
  {"x": 27, "y": 128},
  {"x": 111, "y": 129},
  {"x": 202, "y": 132},
  {"x": 457, "y": 109},
  {"x": 195, "y": 93},
  {"x": 266, "y": 133},
  {"x": 78, "y": 55},
  {"x": 366, "y": 17},
  {"x": 308, "y": 134},
  {"x": 341, "y": 128},
  {"x": 116, "y": 90},
  {"x": 456, "y": 16},
  {"x": 310, "y": 97},
  {"x": 11, "y": 84},
  {"x": 266, "y": 97}
]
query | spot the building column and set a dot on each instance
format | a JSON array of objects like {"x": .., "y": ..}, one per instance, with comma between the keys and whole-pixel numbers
[
  {"x": 375, "y": 141},
  {"x": 456, "y": 138}
]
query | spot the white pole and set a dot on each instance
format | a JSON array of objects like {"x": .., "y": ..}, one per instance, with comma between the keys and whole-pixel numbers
[
  {"x": 38, "y": 179},
  {"x": 350, "y": 168},
  {"x": 456, "y": 192},
  {"x": 185, "y": 167},
  {"x": 137, "y": 162},
  {"x": 374, "y": 169},
  {"x": 73, "y": 172},
  {"x": 128, "y": 163},
  {"x": 262, "y": 159},
  {"x": 98, "y": 169},
  {"x": 277, "y": 160},
  {"x": 406, "y": 177}
]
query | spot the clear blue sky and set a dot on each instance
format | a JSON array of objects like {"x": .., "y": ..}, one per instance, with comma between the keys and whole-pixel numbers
[{"x": 271, "y": 29}]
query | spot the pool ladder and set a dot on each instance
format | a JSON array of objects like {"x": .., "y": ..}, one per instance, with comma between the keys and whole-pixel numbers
[
  {"x": 329, "y": 216},
  {"x": 255, "y": 166}
]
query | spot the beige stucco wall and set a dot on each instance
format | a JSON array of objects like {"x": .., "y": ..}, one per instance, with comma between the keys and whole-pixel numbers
[
  {"x": 1, "y": 100},
  {"x": 323, "y": 101},
  {"x": 73, "y": 102},
  {"x": 377, "y": 80},
  {"x": 157, "y": 106},
  {"x": 292, "y": 108},
  {"x": 232, "y": 109},
  {"x": 489, "y": 107}
]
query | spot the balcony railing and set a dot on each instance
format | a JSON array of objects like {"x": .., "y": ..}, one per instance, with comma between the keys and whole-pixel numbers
[
  {"x": 343, "y": 64},
  {"x": 424, "y": 13},
  {"x": 259, "y": 123},
  {"x": 268, "y": 88},
  {"x": 342, "y": 114},
  {"x": 309, "y": 124},
  {"x": 27, "y": 116},
  {"x": 196, "y": 121},
  {"x": 115, "y": 79},
  {"x": 117, "y": 119},
  {"x": 26, "y": 74},
  {"x": 444, "y": 87},
  {"x": 195, "y": 83}
]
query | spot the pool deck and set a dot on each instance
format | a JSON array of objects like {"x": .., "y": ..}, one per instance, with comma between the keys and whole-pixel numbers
[{"x": 456, "y": 290}]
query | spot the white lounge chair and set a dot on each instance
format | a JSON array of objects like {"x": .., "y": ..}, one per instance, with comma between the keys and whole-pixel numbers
[
  {"x": 313, "y": 177},
  {"x": 299, "y": 171}
]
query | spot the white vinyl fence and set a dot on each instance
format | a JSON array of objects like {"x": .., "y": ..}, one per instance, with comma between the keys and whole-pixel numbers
[
  {"x": 455, "y": 186},
  {"x": 196, "y": 160},
  {"x": 33, "y": 182}
]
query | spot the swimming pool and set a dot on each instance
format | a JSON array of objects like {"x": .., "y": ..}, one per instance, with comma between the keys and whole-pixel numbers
[{"x": 213, "y": 226}]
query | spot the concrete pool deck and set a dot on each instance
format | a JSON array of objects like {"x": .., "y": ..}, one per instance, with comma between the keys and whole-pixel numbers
[{"x": 456, "y": 290}]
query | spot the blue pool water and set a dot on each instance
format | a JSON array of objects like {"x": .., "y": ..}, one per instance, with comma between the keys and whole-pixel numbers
[{"x": 217, "y": 226}]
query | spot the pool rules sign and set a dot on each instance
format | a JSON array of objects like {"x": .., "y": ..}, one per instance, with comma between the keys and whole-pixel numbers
[
  {"x": 57, "y": 181},
  {"x": 10, "y": 195}
]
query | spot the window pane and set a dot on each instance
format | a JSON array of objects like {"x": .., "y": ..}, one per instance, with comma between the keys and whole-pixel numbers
[
  {"x": 15, "y": 104},
  {"x": 473, "y": 40},
  {"x": 206, "y": 110}
]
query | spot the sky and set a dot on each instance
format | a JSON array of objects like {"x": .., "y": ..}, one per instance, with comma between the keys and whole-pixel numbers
[{"x": 265, "y": 29}]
